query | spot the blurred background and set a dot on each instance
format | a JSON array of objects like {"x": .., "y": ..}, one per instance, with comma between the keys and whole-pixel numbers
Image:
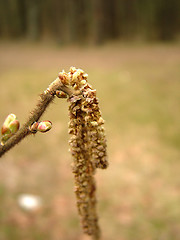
[
  {"x": 94, "y": 21},
  {"x": 131, "y": 52}
]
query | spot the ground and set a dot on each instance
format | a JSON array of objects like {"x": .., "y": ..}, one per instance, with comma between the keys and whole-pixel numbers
[{"x": 139, "y": 91}]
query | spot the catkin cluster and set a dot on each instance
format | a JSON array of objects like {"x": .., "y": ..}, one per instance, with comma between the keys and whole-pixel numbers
[{"x": 87, "y": 145}]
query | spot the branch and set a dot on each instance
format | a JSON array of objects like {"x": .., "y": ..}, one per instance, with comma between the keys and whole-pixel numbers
[
  {"x": 87, "y": 142},
  {"x": 44, "y": 100}
]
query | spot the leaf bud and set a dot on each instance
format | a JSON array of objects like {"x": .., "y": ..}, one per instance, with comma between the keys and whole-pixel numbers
[
  {"x": 14, "y": 126},
  {"x": 9, "y": 119},
  {"x": 10, "y": 126},
  {"x": 44, "y": 126},
  {"x": 61, "y": 94},
  {"x": 33, "y": 127},
  {"x": 5, "y": 130}
]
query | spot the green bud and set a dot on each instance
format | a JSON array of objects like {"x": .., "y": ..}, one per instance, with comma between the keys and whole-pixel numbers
[
  {"x": 14, "y": 126},
  {"x": 44, "y": 126},
  {"x": 10, "y": 126},
  {"x": 10, "y": 118}
]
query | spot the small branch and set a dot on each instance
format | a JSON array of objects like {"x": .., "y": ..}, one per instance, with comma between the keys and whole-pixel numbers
[
  {"x": 87, "y": 144},
  {"x": 44, "y": 100}
]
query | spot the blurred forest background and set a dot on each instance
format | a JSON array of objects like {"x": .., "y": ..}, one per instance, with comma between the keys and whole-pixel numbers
[
  {"x": 82, "y": 21},
  {"x": 131, "y": 52}
]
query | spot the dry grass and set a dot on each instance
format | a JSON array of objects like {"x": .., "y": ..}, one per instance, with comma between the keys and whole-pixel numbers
[{"x": 139, "y": 92}]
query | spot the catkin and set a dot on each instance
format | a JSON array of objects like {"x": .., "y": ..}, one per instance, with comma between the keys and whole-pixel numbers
[{"x": 87, "y": 145}]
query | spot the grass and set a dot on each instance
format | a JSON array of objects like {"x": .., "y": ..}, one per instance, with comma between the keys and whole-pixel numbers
[{"x": 139, "y": 92}]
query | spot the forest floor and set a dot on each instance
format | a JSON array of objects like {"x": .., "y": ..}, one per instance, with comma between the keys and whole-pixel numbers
[{"x": 139, "y": 92}]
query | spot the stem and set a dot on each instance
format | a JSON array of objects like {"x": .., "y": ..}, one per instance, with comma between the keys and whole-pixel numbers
[
  {"x": 87, "y": 143},
  {"x": 44, "y": 100}
]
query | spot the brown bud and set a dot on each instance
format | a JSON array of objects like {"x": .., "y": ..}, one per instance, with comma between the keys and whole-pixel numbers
[
  {"x": 61, "y": 94},
  {"x": 33, "y": 127},
  {"x": 5, "y": 130}
]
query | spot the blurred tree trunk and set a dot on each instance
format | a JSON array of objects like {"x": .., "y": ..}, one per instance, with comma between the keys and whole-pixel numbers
[
  {"x": 168, "y": 19},
  {"x": 110, "y": 19},
  {"x": 146, "y": 12},
  {"x": 4, "y": 29},
  {"x": 98, "y": 29},
  {"x": 12, "y": 21},
  {"x": 33, "y": 19},
  {"x": 81, "y": 21}
]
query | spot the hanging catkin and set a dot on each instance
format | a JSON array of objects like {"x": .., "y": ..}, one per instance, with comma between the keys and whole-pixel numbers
[{"x": 87, "y": 145}]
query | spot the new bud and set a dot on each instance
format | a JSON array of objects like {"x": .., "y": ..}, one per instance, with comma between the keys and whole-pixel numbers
[
  {"x": 9, "y": 119},
  {"x": 44, "y": 126},
  {"x": 33, "y": 127},
  {"x": 10, "y": 126},
  {"x": 61, "y": 94},
  {"x": 5, "y": 130},
  {"x": 14, "y": 126}
]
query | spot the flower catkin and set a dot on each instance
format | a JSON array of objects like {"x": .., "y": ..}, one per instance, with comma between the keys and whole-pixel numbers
[{"x": 87, "y": 145}]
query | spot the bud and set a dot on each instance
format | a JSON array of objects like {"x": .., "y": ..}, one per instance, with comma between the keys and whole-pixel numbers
[
  {"x": 9, "y": 119},
  {"x": 14, "y": 126},
  {"x": 44, "y": 126},
  {"x": 10, "y": 126},
  {"x": 61, "y": 94},
  {"x": 33, "y": 127},
  {"x": 5, "y": 130}
]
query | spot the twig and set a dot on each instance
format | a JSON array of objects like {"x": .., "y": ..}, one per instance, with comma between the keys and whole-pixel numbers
[
  {"x": 44, "y": 100},
  {"x": 87, "y": 142}
]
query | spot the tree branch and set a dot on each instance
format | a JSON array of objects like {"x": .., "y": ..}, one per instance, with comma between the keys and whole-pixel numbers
[
  {"x": 44, "y": 100},
  {"x": 87, "y": 142}
]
